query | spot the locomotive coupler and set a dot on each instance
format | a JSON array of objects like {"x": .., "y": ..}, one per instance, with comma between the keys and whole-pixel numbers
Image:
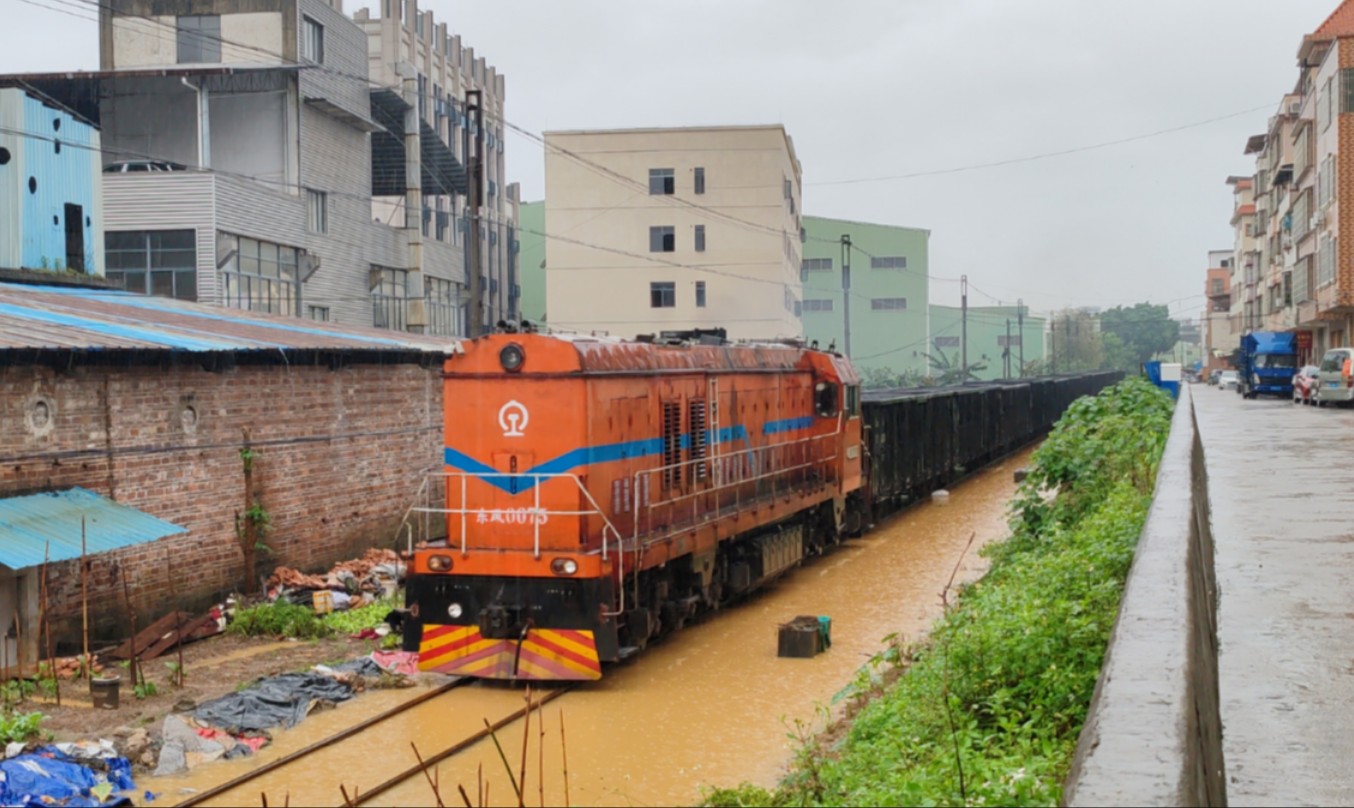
[{"x": 500, "y": 622}]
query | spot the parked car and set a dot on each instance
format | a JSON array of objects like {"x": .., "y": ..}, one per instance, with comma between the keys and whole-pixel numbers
[
  {"x": 142, "y": 166},
  {"x": 1306, "y": 383},
  {"x": 1229, "y": 380},
  {"x": 1213, "y": 376},
  {"x": 1335, "y": 377}
]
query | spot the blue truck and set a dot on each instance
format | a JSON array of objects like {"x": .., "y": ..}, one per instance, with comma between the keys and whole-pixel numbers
[{"x": 1266, "y": 364}]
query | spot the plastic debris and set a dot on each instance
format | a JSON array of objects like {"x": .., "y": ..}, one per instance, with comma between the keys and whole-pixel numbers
[{"x": 48, "y": 777}]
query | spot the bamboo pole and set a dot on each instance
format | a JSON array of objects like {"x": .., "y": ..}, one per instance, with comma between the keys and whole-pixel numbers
[
  {"x": 526, "y": 742},
  {"x": 135, "y": 667},
  {"x": 540, "y": 754},
  {"x": 84, "y": 599},
  {"x": 45, "y": 623},
  {"x": 178, "y": 622},
  {"x": 564, "y": 749}
]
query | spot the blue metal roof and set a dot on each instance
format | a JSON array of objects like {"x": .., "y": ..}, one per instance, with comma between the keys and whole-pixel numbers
[
  {"x": 30, "y": 526},
  {"x": 55, "y": 317}
]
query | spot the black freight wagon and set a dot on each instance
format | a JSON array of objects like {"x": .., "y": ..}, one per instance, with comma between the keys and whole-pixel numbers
[{"x": 923, "y": 439}]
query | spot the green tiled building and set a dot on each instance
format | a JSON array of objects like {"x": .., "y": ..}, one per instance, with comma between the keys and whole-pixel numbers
[{"x": 987, "y": 339}]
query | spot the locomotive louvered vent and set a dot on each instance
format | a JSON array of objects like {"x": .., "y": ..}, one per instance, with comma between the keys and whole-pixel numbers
[
  {"x": 700, "y": 439},
  {"x": 672, "y": 444}
]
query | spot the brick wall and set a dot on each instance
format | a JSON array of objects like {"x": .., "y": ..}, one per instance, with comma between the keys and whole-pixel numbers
[{"x": 338, "y": 463}]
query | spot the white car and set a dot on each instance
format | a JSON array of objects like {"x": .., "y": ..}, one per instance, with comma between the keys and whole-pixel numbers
[{"x": 1228, "y": 380}]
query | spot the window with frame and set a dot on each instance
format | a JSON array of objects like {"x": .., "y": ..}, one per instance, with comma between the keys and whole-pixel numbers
[
  {"x": 1012, "y": 341},
  {"x": 389, "y": 297},
  {"x": 698, "y": 180},
  {"x": 888, "y": 262},
  {"x": 317, "y": 211},
  {"x": 662, "y": 182},
  {"x": 888, "y": 303},
  {"x": 318, "y": 313},
  {"x": 816, "y": 265},
  {"x": 700, "y": 238},
  {"x": 811, "y": 304},
  {"x": 1217, "y": 286},
  {"x": 1346, "y": 90},
  {"x": 155, "y": 262},
  {"x": 947, "y": 342},
  {"x": 199, "y": 39},
  {"x": 312, "y": 41},
  {"x": 442, "y": 305},
  {"x": 662, "y": 295},
  {"x": 700, "y": 294},
  {"x": 262, "y": 277},
  {"x": 662, "y": 239}
]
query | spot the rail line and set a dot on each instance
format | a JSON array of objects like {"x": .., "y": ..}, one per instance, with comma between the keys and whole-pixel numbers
[{"x": 254, "y": 774}]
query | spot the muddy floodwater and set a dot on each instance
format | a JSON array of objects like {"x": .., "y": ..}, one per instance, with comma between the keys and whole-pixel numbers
[{"x": 708, "y": 706}]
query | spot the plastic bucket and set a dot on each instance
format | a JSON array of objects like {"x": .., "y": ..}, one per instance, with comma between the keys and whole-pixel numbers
[{"x": 104, "y": 692}]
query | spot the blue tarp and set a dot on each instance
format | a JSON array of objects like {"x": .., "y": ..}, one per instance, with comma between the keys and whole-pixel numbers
[{"x": 48, "y": 778}]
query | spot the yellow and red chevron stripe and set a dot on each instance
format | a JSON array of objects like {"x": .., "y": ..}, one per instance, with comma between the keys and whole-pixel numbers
[{"x": 545, "y": 655}]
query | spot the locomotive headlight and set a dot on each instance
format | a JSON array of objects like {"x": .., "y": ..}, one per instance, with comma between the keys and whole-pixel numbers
[
  {"x": 564, "y": 566},
  {"x": 454, "y": 611},
  {"x": 511, "y": 357},
  {"x": 439, "y": 563}
]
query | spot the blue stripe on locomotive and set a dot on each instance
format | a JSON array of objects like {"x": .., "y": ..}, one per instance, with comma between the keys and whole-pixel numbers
[{"x": 606, "y": 453}]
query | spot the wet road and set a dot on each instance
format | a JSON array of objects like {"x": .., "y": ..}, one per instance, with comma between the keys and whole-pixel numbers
[
  {"x": 1281, "y": 484},
  {"x": 710, "y": 705}
]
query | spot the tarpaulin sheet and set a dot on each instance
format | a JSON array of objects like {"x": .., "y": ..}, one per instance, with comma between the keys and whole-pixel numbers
[
  {"x": 50, "y": 778},
  {"x": 280, "y": 701}
]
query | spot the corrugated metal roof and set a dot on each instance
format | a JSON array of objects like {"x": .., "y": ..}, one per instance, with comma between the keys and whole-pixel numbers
[
  {"x": 61, "y": 317},
  {"x": 32, "y": 526}
]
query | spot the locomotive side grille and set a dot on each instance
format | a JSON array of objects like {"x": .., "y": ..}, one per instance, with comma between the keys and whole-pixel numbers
[
  {"x": 672, "y": 444},
  {"x": 700, "y": 439}
]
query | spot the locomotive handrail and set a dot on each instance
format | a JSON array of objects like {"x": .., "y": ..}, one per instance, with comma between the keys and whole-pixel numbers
[{"x": 535, "y": 513}]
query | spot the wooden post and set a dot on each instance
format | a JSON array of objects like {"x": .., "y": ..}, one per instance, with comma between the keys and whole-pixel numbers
[
  {"x": 84, "y": 599},
  {"x": 134, "y": 667},
  {"x": 248, "y": 532},
  {"x": 178, "y": 627},
  {"x": 45, "y": 625}
]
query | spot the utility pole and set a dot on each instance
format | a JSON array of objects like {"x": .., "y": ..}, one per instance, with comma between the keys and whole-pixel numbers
[
  {"x": 475, "y": 160},
  {"x": 963, "y": 327},
  {"x": 1020, "y": 327},
  {"x": 1053, "y": 342},
  {"x": 415, "y": 313},
  {"x": 1006, "y": 355},
  {"x": 846, "y": 291}
]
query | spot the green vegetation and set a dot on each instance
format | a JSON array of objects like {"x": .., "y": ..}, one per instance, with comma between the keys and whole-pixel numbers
[
  {"x": 20, "y": 727},
  {"x": 989, "y": 709},
  {"x": 282, "y": 619}
]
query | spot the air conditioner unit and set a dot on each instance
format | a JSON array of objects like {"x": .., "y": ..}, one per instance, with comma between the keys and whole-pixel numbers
[
  {"x": 1295, "y": 108},
  {"x": 1316, "y": 222}
]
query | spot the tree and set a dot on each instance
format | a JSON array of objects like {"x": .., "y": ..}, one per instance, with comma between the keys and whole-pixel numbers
[
  {"x": 1144, "y": 329},
  {"x": 947, "y": 371},
  {"x": 1076, "y": 342}
]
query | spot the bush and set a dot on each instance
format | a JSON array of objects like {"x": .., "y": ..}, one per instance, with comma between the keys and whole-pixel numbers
[
  {"x": 279, "y": 619},
  {"x": 20, "y": 727},
  {"x": 1002, "y": 687}
]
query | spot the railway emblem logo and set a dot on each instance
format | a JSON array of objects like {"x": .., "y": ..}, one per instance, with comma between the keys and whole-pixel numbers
[{"x": 513, "y": 417}]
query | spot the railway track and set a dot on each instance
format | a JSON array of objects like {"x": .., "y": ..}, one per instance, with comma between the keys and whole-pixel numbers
[{"x": 236, "y": 791}]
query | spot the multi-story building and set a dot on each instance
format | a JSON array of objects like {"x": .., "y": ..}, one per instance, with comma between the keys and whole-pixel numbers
[
  {"x": 1274, "y": 194},
  {"x": 1000, "y": 339},
  {"x": 50, "y": 216},
  {"x": 249, "y": 161},
  {"x": 674, "y": 229},
  {"x": 1219, "y": 338},
  {"x": 444, "y": 73},
  {"x": 1245, "y": 261},
  {"x": 887, "y": 299}
]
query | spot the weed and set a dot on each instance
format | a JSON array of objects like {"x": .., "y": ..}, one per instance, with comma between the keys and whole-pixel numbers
[
  {"x": 145, "y": 690},
  {"x": 279, "y": 619},
  {"x": 20, "y": 727}
]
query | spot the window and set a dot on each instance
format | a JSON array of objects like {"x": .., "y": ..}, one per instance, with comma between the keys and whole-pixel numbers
[
  {"x": 672, "y": 444},
  {"x": 1325, "y": 105},
  {"x": 1217, "y": 286},
  {"x": 699, "y": 446},
  {"x": 700, "y": 294},
  {"x": 788, "y": 189},
  {"x": 662, "y": 182},
  {"x": 1346, "y": 90},
  {"x": 817, "y": 305},
  {"x": 199, "y": 39},
  {"x": 317, "y": 211},
  {"x": 1325, "y": 262},
  {"x": 888, "y": 303},
  {"x": 1004, "y": 341},
  {"x": 493, "y": 188},
  {"x": 888, "y": 262},
  {"x": 262, "y": 277},
  {"x": 440, "y": 299},
  {"x": 158, "y": 262},
  {"x": 853, "y": 400},
  {"x": 699, "y": 180},
  {"x": 318, "y": 313},
  {"x": 312, "y": 41},
  {"x": 662, "y": 295},
  {"x": 700, "y": 238},
  {"x": 816, "y": 265},
  {"x": 389, "y": 296},
  {"x": 947, "y": 342},
  {"x": 799, "y": 310},
  {"x": 662, "y": 239}
]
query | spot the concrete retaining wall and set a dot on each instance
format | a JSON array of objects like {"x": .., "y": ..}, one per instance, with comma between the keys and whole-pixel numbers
[{"x": 1154, "y": 733}]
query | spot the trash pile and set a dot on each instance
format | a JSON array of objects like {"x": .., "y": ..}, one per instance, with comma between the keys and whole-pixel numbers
[
  {"x": 349, "y": 584},
  {"x": 238, "y": 724},
  {"x": 85, "y": 774}
]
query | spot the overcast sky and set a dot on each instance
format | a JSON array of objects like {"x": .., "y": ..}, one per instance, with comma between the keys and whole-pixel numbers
[{"x": 878, "y": 88}]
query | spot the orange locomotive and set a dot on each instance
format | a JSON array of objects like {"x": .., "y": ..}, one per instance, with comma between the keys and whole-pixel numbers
[{"x": 600, "y": 493}]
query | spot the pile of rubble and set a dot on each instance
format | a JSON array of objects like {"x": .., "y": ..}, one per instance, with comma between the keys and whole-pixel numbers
[{"x": 375, "y": 575}]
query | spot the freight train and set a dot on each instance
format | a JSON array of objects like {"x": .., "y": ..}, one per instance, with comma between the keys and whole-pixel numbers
[{"x": 600, "y": 493}]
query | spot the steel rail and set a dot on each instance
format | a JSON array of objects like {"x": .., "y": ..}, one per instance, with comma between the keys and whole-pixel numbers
[
  {"x": 231, "y": 785},
  {"x": 459, "y": 746}
]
